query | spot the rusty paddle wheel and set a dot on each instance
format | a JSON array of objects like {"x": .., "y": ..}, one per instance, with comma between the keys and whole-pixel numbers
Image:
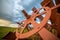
[{"x": 40, "y": 28}]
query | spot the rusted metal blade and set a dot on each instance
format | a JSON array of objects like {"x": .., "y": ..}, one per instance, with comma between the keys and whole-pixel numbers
[
  {"x": 46, "y": 35},
  {"x": 55, "y": 6},
  {"x": 25, "y": 14}
]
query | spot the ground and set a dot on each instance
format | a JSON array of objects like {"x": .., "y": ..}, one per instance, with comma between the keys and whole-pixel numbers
[{"x": 5, "y": 30}]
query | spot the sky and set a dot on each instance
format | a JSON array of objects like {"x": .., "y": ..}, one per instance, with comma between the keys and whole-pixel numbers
[{"x": 11, "y": 9}]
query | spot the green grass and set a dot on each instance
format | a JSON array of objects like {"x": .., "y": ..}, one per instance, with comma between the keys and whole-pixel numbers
[{"x": 5, "y": 30}]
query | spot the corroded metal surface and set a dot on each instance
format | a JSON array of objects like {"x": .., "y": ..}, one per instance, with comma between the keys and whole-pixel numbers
[
  {"x": 55, "y": 15},
  {"x": 46, "y": 35},
  {"x": 37, "y": 27}
]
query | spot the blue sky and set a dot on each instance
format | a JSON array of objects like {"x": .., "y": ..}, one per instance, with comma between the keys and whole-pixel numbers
[{"x": 11, "y": 9}]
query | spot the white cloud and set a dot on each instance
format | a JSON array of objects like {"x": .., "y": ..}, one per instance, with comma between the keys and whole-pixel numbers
[
  {"x": 30, "y": 12},
  {"x": 16, "y": 1},
  {"x": 4, "y": 22},
  {"x": 49, "y": 22},
  {"x": 27, "y": 2},
  {"x": 42, "y": 10},
  {"x": 19, "y": 0},
  {"x": 44, "y": 15},
  {"x": 13, "y": 25},
  {"x": 17, "y": 6},
  {"x": 21, "y": 7}
]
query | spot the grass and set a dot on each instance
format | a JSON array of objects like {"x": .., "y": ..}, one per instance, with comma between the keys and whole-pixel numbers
[{"x": 5, "y": 30}]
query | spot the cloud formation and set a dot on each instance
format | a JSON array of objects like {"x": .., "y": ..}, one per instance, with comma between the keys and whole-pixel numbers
[{"x": 11, "y": 9}]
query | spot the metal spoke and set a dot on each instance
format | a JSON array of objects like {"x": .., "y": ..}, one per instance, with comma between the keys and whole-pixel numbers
[
  {"x": 34, "y": 23},
  {"x": 41, "y": 13},
  {"x": 25, "y": 23}
]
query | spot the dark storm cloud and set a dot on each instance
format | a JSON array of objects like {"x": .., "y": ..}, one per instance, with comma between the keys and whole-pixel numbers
[{"x": 7, "y": 7}]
